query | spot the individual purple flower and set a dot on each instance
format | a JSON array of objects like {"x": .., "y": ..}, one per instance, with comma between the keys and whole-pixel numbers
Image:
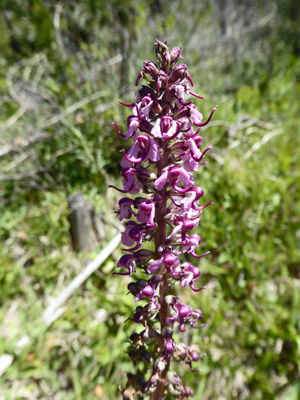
[
  {"x": 126, "y": 262},
  {"x": 149, "y": 290},
  {"x": 146, "y": 212},
  {"x": 183, "y": 225},
  {"x": 188, "y": 354},
  {"x": 189, "y": 201},
  {"x": 134, "y": 179},
  {"x": 191, "y": 154},
  {"x": 184, "y": 314},
  {"x": 190, "y": 244},
  {"x": 169, "y": 260},
  {"x": 172, "y": 176},
  {"x": 129, "y": 261},
  {"x": 169, "y": 344},
  {"x": 165, "y": 128},
  {"x": 144, "y": 107},
  {"x": 144, "y": 149},
  {"x": 125, "y": 211},
  {"x": 190, "y": 274},
  {"x": 179, "y": 73},
  {"x": 134, "y": 123},
  {"x": 181, "y": 314},
  {"x": 133, "y": 235}
]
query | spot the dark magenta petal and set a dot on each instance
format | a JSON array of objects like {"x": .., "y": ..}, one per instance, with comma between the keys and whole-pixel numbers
[
  {"x": 207, "y": 121},
  {"x": 203, "y": 154},
  {"x": 196, "y": 256},
  {"x": 120, "y": 133},
  {"x": 132, "y": 160},
  {"x": 196, "y": 290},
  {"x": 196, "y": 95},
  {"x": 126, "y": 105},
  {"x": 119, "y": 190}
]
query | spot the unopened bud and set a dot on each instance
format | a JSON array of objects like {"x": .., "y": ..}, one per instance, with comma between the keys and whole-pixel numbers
[
  {"x": 178, "y": 74},
  {"x": 150, "y": 68},
  {"x": 188, "y": 391},
  {"x": 175, "y": 54}
]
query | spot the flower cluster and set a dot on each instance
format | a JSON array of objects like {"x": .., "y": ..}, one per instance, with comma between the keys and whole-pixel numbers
[{"x": 164, "y": 128}]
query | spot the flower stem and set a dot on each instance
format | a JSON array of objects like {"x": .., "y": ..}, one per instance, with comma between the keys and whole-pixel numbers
[
  {"x": 160, "y": 238},
  {"x": 161, "y": 207}
]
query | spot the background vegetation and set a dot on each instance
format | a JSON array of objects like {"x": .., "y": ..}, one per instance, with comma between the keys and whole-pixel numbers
[{"x": 63, "y": 67}]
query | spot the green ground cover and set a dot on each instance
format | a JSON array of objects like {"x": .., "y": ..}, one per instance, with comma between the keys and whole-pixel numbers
[{"x": 252, "y": 300}]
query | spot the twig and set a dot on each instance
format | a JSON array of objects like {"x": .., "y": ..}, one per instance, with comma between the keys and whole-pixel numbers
[
  {"x": 225, "y": 124},
  {"x": 221, "y": 45},
  {"x": 56, "y": 23},
  {"x": 53, "y": 312},
  {"x": 263, "y": 141},
  {"x": 72, "y": 108},
  {"x": 37, "y": 171},
  {"x": 13, "y": 119},
  {"x": 99, "y": 67},
  {"x": 5, "y": 361},
  {"x": 27, "y": 143},
  {"x": 43, "y": 135},
  {"x": 12, "y": 71},
  {"x": 15, "y": 163}
]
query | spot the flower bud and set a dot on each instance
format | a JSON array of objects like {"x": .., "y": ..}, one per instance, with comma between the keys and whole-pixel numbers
[
  {"x": 194, "y": 356},
  {"x": 175, "y": 54},
  {"x": 133, "y": 288},
  {"x": 188, "y": 392},
  {"x": 154, "y": 280},
  {"x": 169, "y": 346},
  {"x": 150, "y": 68}
]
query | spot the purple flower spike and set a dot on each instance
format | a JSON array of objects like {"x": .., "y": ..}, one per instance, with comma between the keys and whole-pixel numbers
[{"x": 165, "y": 151}]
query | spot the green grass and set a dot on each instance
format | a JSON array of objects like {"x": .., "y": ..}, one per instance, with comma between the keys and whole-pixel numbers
[
  {"x": 251, "y": 303},
  {"x": 252, "y": 300}
]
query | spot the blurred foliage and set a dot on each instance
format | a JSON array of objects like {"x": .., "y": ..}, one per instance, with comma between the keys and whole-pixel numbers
[{"x": 63, "y": 67}]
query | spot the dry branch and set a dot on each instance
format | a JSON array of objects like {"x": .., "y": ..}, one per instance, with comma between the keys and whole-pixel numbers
[
  {"x": 268, "y": 136},
  {"x": 53, "y": 311},
  {"x": 43, "y": 135},
  {"x": 37, "y": 171}
]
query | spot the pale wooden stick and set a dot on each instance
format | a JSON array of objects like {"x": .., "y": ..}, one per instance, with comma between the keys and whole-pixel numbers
[{"x": 51, "y": 311}]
